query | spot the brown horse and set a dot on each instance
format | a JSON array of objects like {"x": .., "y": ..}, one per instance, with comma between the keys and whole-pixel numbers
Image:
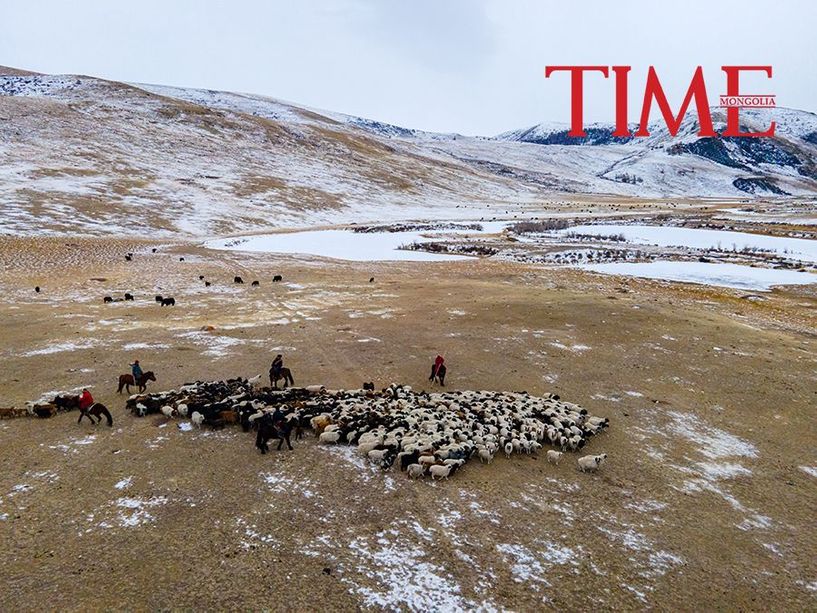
[
  {"x": 285, "y": 374},
  {"x": 96, "y": 410},
  {"x": 127, "y": 380}
]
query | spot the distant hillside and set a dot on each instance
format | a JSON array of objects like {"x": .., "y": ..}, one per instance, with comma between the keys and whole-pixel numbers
[{"x": 85, "y": 155}]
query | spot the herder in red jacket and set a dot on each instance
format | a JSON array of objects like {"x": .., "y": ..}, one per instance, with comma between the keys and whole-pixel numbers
[
  {"x": 438, "y": 370},
  {"x": 86, "y": 401}
]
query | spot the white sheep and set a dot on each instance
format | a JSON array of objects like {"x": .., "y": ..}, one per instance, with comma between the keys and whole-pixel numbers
[
  {"x": 182, "y": 409},
  {"x": 508, "y": 449},
  {"x": 591, "y": 463},
  {"x": 329, "y": 437},
  {"x": 440, "y": 471},
  {"x": 168, "y": 411},
  {"x": 554, "y": 457},
  {"x": 197, "y": 418},
  {"x": 415, "y": 471},
  {"x": 377, "y": 455},
  {"x": 485, "y": 456}
]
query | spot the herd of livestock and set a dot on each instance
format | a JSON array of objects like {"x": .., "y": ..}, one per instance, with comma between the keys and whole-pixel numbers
[{"x": 423, "y": 433}]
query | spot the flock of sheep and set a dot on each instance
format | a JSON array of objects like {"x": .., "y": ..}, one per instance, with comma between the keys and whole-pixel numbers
[{"x": 423, "y": 433}]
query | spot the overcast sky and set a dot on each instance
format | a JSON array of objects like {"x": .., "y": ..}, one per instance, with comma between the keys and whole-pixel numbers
[{"x": 474, "y": 67}]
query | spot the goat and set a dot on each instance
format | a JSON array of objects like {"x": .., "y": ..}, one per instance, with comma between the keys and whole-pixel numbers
[{"x": 238, "y": 280}]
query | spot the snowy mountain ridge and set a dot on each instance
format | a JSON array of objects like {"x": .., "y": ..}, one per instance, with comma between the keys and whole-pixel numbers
[{"x": 94, "y": 156}]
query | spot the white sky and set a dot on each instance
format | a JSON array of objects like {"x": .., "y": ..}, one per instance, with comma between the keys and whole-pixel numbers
[{"x": 474, "y": 67}]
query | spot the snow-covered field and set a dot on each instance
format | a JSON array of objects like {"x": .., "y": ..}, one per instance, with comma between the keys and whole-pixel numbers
[
  {"x": 720, "y": 274},
  {"x": 693, "y": 238}
]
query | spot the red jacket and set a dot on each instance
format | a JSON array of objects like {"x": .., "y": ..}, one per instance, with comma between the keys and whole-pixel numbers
[
  {"x": 85, "y": 400},
  {"x": 439, "y": 361}
]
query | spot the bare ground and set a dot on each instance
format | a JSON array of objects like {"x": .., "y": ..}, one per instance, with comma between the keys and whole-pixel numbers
[{"x": 702, "y": 505}]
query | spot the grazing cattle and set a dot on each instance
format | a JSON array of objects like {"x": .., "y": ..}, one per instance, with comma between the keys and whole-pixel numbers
[
  {"x": 37, "y": 289},
  {"x": 255, "y": 284},
  {"x": 206, "y": 284},
  {"x": 201, "y": 277},
  {"x": 128, "y": 296},
  {"x": 153, "y": 250},
  {"x": 128, "y": 258},
  {"x": 181, "y": 259},
  {"x": 238, "y": 280},
  {"x": 277, "y": 278},
  {"x": 168, "y": 302},
  {"x": 369, "y": 387},
  {"x": 158, "y": 298},
  {"x": 107, "y": 299},
  {"x": 371, "y": 280}
]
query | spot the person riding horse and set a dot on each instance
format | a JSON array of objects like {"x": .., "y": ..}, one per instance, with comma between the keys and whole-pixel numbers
[
  {"x": 136, "y": 370},
  {"x": 277, "y": 365},
  {"x": 438, "y": 370},
  {"x": 86, "y": 401}
]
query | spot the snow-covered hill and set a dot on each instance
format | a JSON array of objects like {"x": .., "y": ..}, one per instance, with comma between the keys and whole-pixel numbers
[{"x": 89, "y": 156}]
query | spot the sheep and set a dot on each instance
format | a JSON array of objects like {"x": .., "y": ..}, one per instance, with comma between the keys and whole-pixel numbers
[
  {"x": 427, "y": 459},
  {"x": 182, "y": 409},
  {"x": 415, "y": 471},
  {"x": 168, "y": 411},
  {"x": 254, "y": 380},
  {"x": 508, "y": 448},
  {"x": 128, "y": 296},
  {"x": 329, "y": 437},
  {"x": 107, "y": 299},
  {"x": 197, "y": 419},
  {"x": 591, "y": 463},
  {"x": 441, "y": 471},
  {"x": 378, "y": 455},
  {"x": 319, "y": 423},
  {"x": 485, "y": 456},
  {"x": 554, "y": 457}
]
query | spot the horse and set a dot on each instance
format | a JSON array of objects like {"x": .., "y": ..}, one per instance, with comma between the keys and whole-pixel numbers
[
  {"x": 267, "y": 430},
  {"x": 127, "y": 380},
  {"x": 284, "y": 374},
  {"x": 96, "y": 410},
  {"x": 438, "y": 374}
]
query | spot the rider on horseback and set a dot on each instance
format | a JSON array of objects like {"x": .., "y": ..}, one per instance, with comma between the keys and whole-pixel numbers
[
  {"x": 277, "y": 365},
  {"x": 136, "y": 370},
  {"x": 278, "y": 419},
  {"x": 86, "y": 401}
]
